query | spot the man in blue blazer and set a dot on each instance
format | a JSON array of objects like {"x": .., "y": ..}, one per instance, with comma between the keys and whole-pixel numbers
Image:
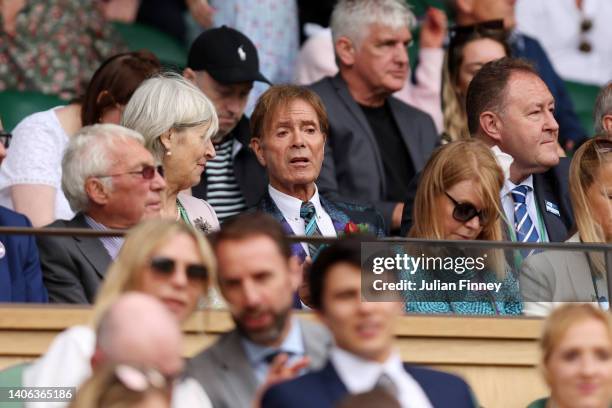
[
  {"x": 20, "y": 275},
  {"x": 364, "y": 356}
]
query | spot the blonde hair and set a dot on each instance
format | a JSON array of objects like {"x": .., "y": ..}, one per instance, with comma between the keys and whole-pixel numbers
[
  {"x": 141, "y": 242},
  {"x": 562, "y": 319},
  {"x": 588, "y": 161},
  {"x": 105, "y": 390},
  {"x": 453, "y": 108}
]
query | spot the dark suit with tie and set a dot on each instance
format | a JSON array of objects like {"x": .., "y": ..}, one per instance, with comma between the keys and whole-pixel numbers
[
  {"x": 340, "y": 213},
  {"x": 250, "y": 175},
  {"x": 325, "y": 389},
  {"x": 353, "y": 168},
  {"x": 20, "y": 276},
  {"x": 73, "y": 267},
  {"x": 551, "y": 187}
]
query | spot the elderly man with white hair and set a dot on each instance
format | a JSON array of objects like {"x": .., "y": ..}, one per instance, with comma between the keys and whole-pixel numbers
[
  {"x": 111, "y": 181},
  {"x": 376, "y": 143}
]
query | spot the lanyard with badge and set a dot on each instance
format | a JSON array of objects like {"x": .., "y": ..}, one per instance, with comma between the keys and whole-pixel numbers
[{"x": 600, "y": 299}]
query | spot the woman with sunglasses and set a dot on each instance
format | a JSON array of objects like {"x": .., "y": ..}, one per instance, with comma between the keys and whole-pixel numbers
[
  {"x": 30, "y": 177},
  {"x": 458, "y": 199},
  {"x": 177, "y": 121},
  {"x": 168, "y": 260},
  {"x": 576, "y": 276}
]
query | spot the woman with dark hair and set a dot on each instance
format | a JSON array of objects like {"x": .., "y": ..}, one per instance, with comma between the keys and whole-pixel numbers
[{"x": 30, "y": 179}]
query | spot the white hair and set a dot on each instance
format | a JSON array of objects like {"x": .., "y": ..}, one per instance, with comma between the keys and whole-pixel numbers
[
  {"x": 352, "y": 18},
  {"x": 166, "y": 102},
  {"x": 89, "y": 154},
  {"x": 603, "y": 107}
]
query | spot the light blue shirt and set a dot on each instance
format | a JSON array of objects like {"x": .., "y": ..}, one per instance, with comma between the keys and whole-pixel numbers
[
  {"x": 256, "y": 354},
  {"x": 111, "y": 244}
]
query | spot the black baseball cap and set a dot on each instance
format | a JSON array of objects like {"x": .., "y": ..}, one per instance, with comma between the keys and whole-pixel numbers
[{"x": 227, "y": 55}]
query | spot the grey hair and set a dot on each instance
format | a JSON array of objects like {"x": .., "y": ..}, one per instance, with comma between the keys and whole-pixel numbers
[
  {"x": 168, "y": 102},
  {"x": 89, "y": 154},
  {"x": 352, "y": 18},
  {"x": 603, "y": 107}
]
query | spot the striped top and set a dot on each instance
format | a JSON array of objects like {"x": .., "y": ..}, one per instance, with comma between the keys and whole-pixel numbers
[
  {"x": 222, "y": 190},
  {"x": 111, "y": 244}
]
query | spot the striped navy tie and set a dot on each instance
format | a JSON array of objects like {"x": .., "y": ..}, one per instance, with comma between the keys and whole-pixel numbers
[
  {"x": 311, "y": 229},
  {"x": 526, "y": 230}
]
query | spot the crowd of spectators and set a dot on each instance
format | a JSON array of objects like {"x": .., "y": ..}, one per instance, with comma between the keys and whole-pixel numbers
[{"x": 210, "y": 168}]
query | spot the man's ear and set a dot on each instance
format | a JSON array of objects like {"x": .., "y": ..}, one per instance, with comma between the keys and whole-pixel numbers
[
  {"x": 96, "y": 191},
  {"x": 256, "y": 146},
  {"x": 190, "y": 75},
  {"x": 97, "y": 359},
  {"x": 345, "y": 51},
  {"x": 491, "y": 126},
  {"x": 606, "y": 122},
  {"x": 296, "y": 272}
]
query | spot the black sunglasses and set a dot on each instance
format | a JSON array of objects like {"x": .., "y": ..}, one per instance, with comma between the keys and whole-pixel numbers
[
  {"x": 457, "y": 32},
  {"x": 463, "y": 212},
  {"x": 5, "y": 138},
  {"x": 147, "y": 172},
  {"x": 167, "y": 266}
]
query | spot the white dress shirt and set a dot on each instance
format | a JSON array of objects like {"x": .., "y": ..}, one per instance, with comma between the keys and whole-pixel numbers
[
  {"x": 411, "y": 395},
  {"x": 530, "y": 201},
  {"x": 290, "y": 207}
]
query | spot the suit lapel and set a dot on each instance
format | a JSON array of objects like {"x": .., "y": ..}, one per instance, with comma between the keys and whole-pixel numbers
[
  {"x": 338, "y": 217},
  {"x": 331, "y": 382},
  {"x": 352, "y": 106},
  {"x": 314, "y": 347},
  {"x": 91, "y": 248},
  {"x": 557, "y": 232},
  {"x": 404, "y": 127}
]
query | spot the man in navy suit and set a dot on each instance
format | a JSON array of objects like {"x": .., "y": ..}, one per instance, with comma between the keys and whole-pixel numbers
[
  {"x": 289, "y": 129},
  {"x": 509, "y": 106},
  {"x": 363, "y": 357},
  {"x": 20, "y": 276}
]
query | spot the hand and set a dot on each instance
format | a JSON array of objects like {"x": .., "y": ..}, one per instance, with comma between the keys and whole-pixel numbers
[
  {"x": 433, "y": 29},
  {"x": 201, "y": 12},
  {"x": 396, "y": 218},
  {"x": 304, "y": 288},
  {"x": 120, "y": 10},
  {"x": 278, "y": 372}
]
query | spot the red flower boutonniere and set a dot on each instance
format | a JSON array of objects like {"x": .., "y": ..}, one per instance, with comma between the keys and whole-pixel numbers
[{"x": 352, "y": 228}]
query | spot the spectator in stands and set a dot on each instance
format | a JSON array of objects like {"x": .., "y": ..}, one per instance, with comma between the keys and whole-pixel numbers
[
  {"x": 289, "y": 127},
  {"x": 466, "y": 12},
  {"x": 111, "y": 182},
  {"x": 470, "y": 48},
  {"x": 576, "y": 350},
  {"x": 510, "y": 108},
  {"x": 224, "y": 64},
  {"x": 54, "y": 46},
  {"x": 575, "y": 35},
  {"x": 575, "y": 276},
  {"x": 257, "y": 277},
  {"x": 364, "y": 355},
  {"x": 376, "y": 143},
  {"x": 30, "y": 179},
  {"x": 177, "y": 121},
  {"x": 168, "y": 260},
  {"x": 603, "y": 111},
  {"x": 316, "y": 60},
  {"x": 20, "y": 275}
]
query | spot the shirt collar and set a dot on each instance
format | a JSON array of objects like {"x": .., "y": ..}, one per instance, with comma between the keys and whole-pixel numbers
[
  {"x": 347, "y": 364},
  {"x": 293, "y": 343},
  {"x": 96, "y": 226},
  {"x": 509, "y": 185},
  {"x": 290, "y": 206}
]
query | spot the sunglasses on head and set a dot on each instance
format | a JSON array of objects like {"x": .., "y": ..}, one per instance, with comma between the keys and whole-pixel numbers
[
  {"x": 166, "y": 266},
  {"x": 463, "y": 212},
  {"x": 482, "y": 28}
]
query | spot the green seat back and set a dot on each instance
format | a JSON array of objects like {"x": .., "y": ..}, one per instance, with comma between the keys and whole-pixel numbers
[
  {"x": 583, "y": 97},
  {"x": 16, "y": 105},
  {"x": 11, "y": 377},
  {"x": 170, "y": 52}
]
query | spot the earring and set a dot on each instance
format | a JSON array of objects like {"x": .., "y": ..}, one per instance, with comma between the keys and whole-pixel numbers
[{"x": 168, "y": 153}]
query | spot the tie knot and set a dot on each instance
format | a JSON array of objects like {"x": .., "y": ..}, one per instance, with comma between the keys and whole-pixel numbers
[
  {"x": 519, "y": 193},
  {"x": 307, "y": 211},
  {"x": 271, "y": 355}
]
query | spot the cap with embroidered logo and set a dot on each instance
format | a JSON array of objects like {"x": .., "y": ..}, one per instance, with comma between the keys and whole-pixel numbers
[{"x": 227, "y": 55}]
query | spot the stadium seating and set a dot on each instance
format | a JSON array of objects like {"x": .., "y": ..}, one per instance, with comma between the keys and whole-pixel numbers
[
  {"x": 583, "y": 96},
  {"x": 16, "y": 105}
]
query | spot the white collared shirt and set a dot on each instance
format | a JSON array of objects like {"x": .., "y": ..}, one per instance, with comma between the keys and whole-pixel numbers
[
  {"x": 411, "y": 395},
  {"x": 530, "y": 201},
  {"x": 290, "y": 206}
]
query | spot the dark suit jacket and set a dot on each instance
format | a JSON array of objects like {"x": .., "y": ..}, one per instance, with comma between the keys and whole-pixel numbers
[
  {"x": 551, "y": 186},
  {"x": 20, "y": 276},
  {"x": 324, "y": 389},
  {"x": 353, "y": 166},
  {"x": 340, "y": 213},
  {"x": 250, "y": 175},
  {"x": 225, "y": 373},
  {"x": 529, "y": 48},
  {"x": 73, "y": 267}
]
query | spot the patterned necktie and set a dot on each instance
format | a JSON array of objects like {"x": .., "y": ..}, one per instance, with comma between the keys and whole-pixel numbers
[
  {"x": 523, "y": 224},
  {"x": 311, "y": 229}
]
